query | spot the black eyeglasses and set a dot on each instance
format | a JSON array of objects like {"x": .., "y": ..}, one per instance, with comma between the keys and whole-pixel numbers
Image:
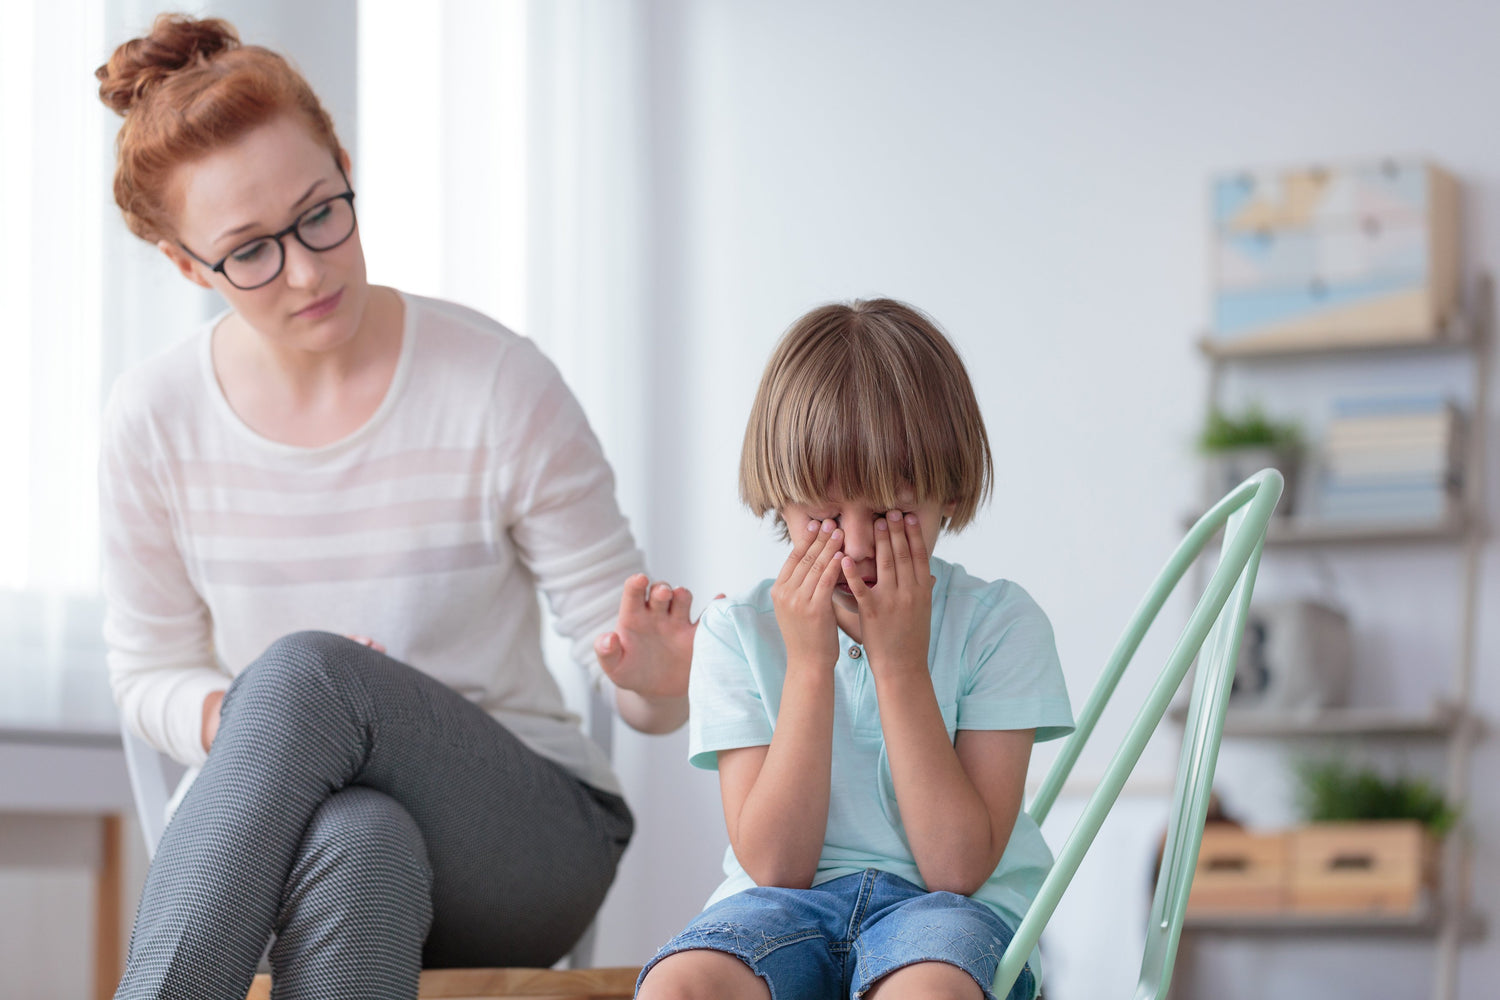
[{"x": 258, "y": 262}]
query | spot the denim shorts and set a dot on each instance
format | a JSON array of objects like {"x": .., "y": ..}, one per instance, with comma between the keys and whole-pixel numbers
[{"x": 835, "y": 940}]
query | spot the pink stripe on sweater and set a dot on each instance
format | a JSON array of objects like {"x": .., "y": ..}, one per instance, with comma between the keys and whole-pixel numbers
[
  {"x": 386, "y": 517},
  {"x": 284, "y": 572}
]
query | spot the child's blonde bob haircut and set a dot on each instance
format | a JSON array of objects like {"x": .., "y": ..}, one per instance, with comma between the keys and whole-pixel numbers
[{"x": 869, "y": 396}]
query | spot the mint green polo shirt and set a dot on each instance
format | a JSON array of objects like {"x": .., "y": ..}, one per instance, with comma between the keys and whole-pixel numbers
[{"x": 994, "y": 665}]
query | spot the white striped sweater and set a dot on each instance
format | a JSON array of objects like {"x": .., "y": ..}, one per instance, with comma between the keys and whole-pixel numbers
[{"x": 430, "y": 529}]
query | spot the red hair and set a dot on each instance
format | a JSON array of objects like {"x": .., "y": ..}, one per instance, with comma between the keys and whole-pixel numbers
[{"x": 186, "y": 89}]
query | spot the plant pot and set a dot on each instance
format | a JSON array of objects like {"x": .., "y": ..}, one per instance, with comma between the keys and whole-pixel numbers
[{"x": 1224, "y": 470}]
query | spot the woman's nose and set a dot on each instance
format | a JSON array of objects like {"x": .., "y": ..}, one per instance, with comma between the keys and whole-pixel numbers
[{"x": 303, "y": 268}]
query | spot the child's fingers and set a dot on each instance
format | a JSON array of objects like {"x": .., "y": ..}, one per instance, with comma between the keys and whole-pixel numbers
[
  {"x": 900, "y": 546},
  {"x": 809, "y": 565},
  {"x": 856, "y": 582},
  {"x": 918, "y": 544},
  {"x": 801, "y": 542},
  {"x": 885, "y": 558},
  {"x": 828, "y": 566},
  {"x": 829, "y": 543}
]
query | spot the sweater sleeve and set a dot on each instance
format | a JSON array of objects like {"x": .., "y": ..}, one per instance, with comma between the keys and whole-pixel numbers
[
  {"x": 558, "y": 503},
  {"x": 156, "y": 626}
]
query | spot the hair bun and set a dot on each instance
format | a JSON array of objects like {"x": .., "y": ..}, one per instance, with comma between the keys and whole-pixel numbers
[{"x": 175, "y": 41}]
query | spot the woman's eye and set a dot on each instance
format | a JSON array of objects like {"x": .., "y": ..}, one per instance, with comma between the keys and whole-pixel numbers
[
  {"x": 317, "y": 216},
  {"x": 251, "y": 251}
]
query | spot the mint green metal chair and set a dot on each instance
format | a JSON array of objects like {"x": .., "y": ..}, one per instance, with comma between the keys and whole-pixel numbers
[{"x": 1215, "y": 628}]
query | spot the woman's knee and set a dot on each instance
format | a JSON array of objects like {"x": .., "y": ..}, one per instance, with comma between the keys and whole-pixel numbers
[
  {"x": 362, "y": 846},
  {"x": 297, "y": 671}
]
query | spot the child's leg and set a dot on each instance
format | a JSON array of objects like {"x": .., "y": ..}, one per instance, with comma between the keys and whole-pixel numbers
[
  {"x": 700, "y": 974},
  {"x": 929, "y": 980},
  {"x": 913, "y": 943},
  {"x": 782, "y": 944}
]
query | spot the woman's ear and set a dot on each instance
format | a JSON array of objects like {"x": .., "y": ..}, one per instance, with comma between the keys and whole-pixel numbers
[
  {"x": 345, "y": 165},
  {"x": 185, "y": 264}
]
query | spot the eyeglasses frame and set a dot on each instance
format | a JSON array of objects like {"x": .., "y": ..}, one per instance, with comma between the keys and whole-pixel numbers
[{"x": 291, "y": 230}]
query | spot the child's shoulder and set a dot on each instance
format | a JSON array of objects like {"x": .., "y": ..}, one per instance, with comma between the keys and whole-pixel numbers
[
  {"x": 960, "y": 584},
  {"x": 993, "y": 605},
  {"x": 748, "y": 610}
]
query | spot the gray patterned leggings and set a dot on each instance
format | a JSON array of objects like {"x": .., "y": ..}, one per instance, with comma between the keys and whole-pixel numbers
[{"x": 376, "y": 821}]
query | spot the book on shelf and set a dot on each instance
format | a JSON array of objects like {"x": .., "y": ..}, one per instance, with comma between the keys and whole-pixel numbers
[{"x": 1390, "y": 458}]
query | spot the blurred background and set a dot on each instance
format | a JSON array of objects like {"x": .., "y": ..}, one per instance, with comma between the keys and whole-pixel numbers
[{"x": 654, "y": 189}]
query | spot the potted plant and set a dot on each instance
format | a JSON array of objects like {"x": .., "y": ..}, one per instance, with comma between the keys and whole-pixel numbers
[
  {"x": 1237, "y": 445},
  {"x": 1333, "y": 792},
  {"x": 1372, "y": 846}
]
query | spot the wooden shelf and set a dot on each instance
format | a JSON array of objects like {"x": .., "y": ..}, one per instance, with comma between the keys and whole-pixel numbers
[
  {"x": 1424, "y": 922},
  {"x": 1438, "y": 722},
  {"x": 1457, "y": 335},
  {"x": 1294, "y": 531}
]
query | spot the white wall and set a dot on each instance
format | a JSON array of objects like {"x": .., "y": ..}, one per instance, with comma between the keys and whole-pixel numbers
[{"x": 1034, "y": 175}]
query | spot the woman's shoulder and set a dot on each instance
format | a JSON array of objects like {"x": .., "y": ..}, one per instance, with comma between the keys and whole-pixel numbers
[
  {"x": 463, "y": 338},
  {"x": 169, "y": 381}
]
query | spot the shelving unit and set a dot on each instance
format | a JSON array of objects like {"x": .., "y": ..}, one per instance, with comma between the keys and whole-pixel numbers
[
  {"x": 1440, "y": 721},
  {"x": 1424, "y": 923},
  {"x": 1451, "y": 720}
]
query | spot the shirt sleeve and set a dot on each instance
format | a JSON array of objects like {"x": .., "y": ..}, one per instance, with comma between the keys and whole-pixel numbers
[
  {"x": 1013, "y": 678},
  {"x": 558, "y": 503},
  {"x": 156, "y": 626},
  {"x": 727, "y": 708}
]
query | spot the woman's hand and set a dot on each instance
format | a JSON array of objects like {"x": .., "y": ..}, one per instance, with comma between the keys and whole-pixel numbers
[
  {"x": 365, "y": 640},
  {"x": 211, "y": 718},
  {"x": 651, "y": 649},
  {"x": 803, "y": 595},
  {"x": 895, "y": 615}
]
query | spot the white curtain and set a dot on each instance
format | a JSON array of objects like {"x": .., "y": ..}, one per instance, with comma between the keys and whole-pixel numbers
[
  {"x": 499, "y": 166},
  {"x": 53, "y": 159},
  {"x": 84, "y": 300}
]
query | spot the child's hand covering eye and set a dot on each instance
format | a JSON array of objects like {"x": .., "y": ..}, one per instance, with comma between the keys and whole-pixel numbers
[
  {"x": 895, "y": 615},
  {"x": 803, "y": 594}
]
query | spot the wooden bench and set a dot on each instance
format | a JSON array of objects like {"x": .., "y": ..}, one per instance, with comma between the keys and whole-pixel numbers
[{"x": 492, "y": 984}]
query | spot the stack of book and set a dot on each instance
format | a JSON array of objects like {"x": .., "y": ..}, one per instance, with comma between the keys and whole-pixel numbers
[{"x": 1391, "y": 459}]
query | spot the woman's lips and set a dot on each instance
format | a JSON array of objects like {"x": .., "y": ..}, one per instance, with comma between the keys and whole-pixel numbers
[{"x": 322, "y": 307}]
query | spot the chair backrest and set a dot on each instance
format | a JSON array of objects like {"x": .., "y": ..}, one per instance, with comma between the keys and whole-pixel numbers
[
  {"x": 1214, "y": 628},
  {"x": 148, "y": 769}
]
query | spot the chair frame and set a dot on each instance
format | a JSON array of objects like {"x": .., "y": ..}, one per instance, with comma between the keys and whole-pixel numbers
[{"x": 1215, "y": 628}]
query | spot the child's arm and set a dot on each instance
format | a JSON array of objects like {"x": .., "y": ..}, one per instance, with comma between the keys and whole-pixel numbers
[
  {"x": 776, "y": 797},
  {"x": 958, "y": 801}
]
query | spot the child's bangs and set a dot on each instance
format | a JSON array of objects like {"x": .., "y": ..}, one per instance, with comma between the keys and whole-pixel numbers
[{"x": 861, "y": 439}]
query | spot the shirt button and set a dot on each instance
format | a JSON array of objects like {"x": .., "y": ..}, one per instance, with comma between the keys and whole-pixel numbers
[{"x": 854, "y": 653}]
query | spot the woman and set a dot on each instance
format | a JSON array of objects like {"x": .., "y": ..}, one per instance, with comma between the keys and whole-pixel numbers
[{"x": 325, "y": 519}]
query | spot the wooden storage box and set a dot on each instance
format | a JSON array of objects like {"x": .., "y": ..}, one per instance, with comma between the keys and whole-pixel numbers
[
  {"x": 1375, "y": 867},
  {"x": 1239, "y": 872},
  {"x": 1321, "y": 256}
]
